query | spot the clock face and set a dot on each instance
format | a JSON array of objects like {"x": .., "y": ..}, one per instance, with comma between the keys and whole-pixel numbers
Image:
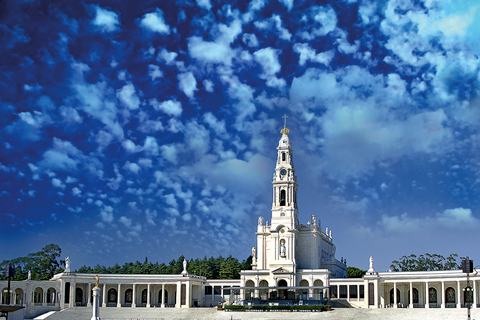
[{"x": 283, "y": 172}]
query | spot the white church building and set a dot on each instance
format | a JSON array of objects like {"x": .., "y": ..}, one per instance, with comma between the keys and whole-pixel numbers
[{"x": 292, "y": 262}]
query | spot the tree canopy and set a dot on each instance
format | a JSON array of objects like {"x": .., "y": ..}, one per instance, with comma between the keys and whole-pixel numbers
[
  {"x": 426, "y": 262},
  {"x": 353, "y": 272},
  {"x": 45, "y": 263}
]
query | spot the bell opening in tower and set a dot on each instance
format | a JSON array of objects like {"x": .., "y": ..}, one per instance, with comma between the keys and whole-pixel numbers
[{"x": 282, "y": 198}]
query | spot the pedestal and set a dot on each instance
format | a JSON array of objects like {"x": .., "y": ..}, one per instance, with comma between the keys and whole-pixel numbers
[{"x": 96, "y": 304}]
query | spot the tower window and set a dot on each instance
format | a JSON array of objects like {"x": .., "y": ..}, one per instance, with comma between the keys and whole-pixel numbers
[
  {"x": 282, "y": 197},
  {"x": 283, "y": 156}
]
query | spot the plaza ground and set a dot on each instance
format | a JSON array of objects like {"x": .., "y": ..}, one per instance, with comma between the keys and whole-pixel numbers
[{"x": 213, "y": 314}]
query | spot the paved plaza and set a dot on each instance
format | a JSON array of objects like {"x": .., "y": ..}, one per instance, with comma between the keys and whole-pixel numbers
[{"x": 212, "y": 314}]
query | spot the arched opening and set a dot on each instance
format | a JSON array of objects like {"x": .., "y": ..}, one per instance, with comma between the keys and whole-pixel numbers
[
  {"x": 282, "y": 293},
  {"x": 5, "y": 295},
  {"x": 450, "y": 295},
  {"x": 19, "y": 296},
  {"x": 79, "y": 296},
  {"x": 468, "y": 295},
  {"x": 38, "y": 295},
  {"x": 144, "y": 296},
  {"x": 392, "y": 301},
  {"x": 249, "y": 292},
  {"x": 112, "y": 296},
  {"x": 432, "y": 295},
  {"x": 318, "y": 293},
  {"x": 415, "y": 296},
  {"x": 283, "y": 195},
  {"x": 284, "y": 156},
  {"x": 128, "y": 295},
  {"x": 51, "y": 295},
  {"x": 66, "y": 294},
  {"x": 263, "y": 292},
  {"x": 303, "y": 293}
]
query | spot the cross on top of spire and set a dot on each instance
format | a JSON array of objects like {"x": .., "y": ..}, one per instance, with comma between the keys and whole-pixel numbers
[{"x": 285, "y": 130}]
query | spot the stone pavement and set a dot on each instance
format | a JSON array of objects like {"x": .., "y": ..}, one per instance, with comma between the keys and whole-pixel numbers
[{"x": 213, "y": 314}]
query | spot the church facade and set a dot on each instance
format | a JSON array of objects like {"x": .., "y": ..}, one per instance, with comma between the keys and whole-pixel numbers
[
  {"x": 290, "y": 255},
  {"x": 292, "y": 262}
]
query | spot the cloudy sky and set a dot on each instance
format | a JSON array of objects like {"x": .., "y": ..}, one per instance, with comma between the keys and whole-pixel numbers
[{"x": 133, "y": 129}]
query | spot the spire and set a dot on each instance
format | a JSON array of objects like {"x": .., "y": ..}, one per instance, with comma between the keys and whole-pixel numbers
[{"x": 285, "y": 131}]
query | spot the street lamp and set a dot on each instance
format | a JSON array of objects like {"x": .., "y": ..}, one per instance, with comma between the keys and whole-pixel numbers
[{"x": 467, "y": 267}]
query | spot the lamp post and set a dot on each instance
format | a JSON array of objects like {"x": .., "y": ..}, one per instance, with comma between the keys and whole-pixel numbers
[{"x": 467, "y": 267}]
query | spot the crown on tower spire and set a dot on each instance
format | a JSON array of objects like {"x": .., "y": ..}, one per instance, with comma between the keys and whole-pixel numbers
[{"x": 285, "y": 131}]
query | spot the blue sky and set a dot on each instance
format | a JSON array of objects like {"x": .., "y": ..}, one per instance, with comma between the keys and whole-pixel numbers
[{"x": 148, "y": 128}]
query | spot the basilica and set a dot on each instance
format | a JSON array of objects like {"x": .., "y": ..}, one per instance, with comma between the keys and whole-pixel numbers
[{"x": 293, "y": 263}]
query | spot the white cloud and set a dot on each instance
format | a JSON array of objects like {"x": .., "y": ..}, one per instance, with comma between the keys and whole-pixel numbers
[
  {"x": 208, "y": 85},
  {"x": 205, "y": 4},
  {"x": 287, "y": 3},
  {"x": 107, "y": 214},
  {"x": 58, "y": 183},
  {"x": 167, "y": 57},
  {"x": 250, "y": 40},
  {"x": 458, "y": 217},
  {"x": 170, "y": 107},
  {"x": 125, "y": 221},
  {"x": 130, "y": 146},
  {"x": 155, "y": 22},
  {"x": 128, "y": 96},
  {"x": 154, "y": 72},
  {"x": 76, "y": 192},
  {"x": 307, "y": 53},
  {"x": 268, "y": 59},
  {"x": 151, "y": 145},
  {"x": 106, "y": 20},
  {"x": 132, "y": 167},
  {"x": 187, "y": 84}
]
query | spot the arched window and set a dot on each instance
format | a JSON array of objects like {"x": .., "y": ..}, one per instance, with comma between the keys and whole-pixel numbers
[
  {"x": 432, "y": 295},
  {"x": 283, "y": 197},
  {"x": 144, "y": 295},
  {"x": 392, "y": 301},
  {"x": 19, "y": 296},
  {"x": 450, "y": 295},
  {"x": 128, "y": 295},
  {"x": 38, "y": 295},
  {"x": 51, "y": 295},
  {"x": 415, "y": 296},
  {"x": 283, "y": 156},
  {"x": 112, "y": 295},
  {"x": 78, "y": 295}
]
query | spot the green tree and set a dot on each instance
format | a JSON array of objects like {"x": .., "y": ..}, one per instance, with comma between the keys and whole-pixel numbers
[
  {"x": 426, "y": 262},
  {"x": 353, "y": 272}
]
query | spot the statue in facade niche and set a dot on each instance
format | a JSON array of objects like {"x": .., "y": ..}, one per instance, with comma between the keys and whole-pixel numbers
[{"x": 282, "y": 249}]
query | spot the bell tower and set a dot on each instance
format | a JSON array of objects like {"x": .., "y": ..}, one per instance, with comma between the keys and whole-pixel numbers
[{"x": 284, "y": 206}]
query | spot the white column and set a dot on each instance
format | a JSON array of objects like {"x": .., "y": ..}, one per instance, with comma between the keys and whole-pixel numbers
[
  {"x": 104, "y": 298},
  {"x": 44, "y": 298},
  {"x": 89, "y": 295},
  {"x": 73, "y": 287},
  {"x": 348, "y": 292},
  {"x": 119, "y": 295},
  {"x": 475, "y": 299},
  {"x": 178, "y": 302},
  {"x": 162, "y": 302},
  {"x": 134, "y": 297},
  {"x": 96, "y": 304},
  {"x": 443, "y": 294},
  {"x": 427, "y": 302},
  {"x": 395, "y": 295},
  {"x": 458, "y": 295},
  {"x": 188, "y": 294},
  {"x": 148, "y": 295},
  {"x": 358, "y": 292},
  {"x": 411, "y": 295}
]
